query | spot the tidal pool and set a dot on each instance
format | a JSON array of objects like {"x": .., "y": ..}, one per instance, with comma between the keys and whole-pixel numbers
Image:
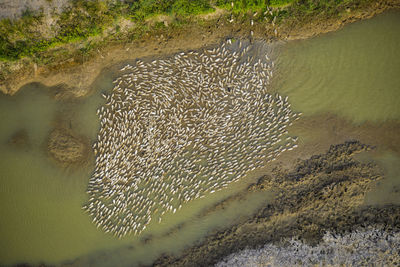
[{"x": 352, "y": 73}]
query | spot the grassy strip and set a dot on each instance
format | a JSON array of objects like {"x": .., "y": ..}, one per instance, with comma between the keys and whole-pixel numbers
[
  {"x": 84, "y": 19},
  {"x": 300, "y": 10},
  {"x": 242, "y": 6}
]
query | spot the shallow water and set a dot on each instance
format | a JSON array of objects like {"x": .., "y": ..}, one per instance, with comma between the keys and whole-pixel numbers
[
  {"x": 41, "y": 216},
  {"x": 40, "y": 219},
  {"x": 352, "y": 73},
  {"x": 386, "y": 191}
]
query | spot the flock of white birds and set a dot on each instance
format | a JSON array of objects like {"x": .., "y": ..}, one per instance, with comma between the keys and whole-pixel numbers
[{"x": 178, "y": 128}]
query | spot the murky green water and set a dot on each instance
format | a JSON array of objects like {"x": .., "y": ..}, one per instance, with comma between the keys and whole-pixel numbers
[
  {"x": 352, "y": 73},
  {"x": 40, "y": 211},
  {"x": 41, "y": 216}
]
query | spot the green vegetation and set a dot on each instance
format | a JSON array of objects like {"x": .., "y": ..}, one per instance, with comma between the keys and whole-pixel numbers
[
  {"x": 293, "y": 7},
  {"x": 188, "y": 7},
  {"x": 27, "y": 36},
  {"x": 84, "y": 19},
  {"x": 23, "y": 37},
  {"x": 246, "y": 5}
]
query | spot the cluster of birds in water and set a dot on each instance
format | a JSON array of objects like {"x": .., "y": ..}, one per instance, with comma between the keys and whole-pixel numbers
[{"x": 178, "y": 128}]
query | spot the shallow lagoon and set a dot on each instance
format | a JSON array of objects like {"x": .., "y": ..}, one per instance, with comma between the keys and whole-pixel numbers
[
  {"x": 41, "y": 213},
  {"x": 352, "y": 73}
]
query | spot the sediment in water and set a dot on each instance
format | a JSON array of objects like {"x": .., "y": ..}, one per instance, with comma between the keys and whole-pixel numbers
[
  {"x": 66, "y": 147},
  {"x": 322, "y": 193}
]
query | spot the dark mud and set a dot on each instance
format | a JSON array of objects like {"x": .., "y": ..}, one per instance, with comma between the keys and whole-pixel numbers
[{"x": 322, "y": 193}]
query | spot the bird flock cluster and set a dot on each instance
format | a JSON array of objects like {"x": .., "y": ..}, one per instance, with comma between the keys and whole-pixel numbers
[{"x": 178, "y": 128}]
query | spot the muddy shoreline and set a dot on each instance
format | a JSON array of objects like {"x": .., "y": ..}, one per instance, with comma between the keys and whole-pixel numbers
[
  {"x": 77, "y": 77},
  {"x": 319, "y": 194}
]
